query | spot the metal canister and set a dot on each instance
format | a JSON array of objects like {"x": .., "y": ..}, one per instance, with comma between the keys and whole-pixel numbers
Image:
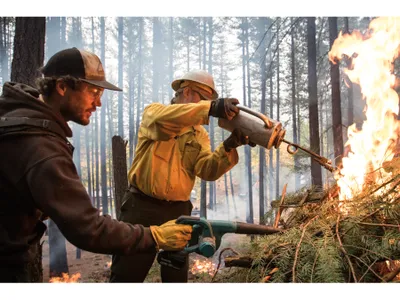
[{"x": 259, "y": 128}]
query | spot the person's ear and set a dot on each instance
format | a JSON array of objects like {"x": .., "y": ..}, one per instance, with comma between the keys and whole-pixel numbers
[
  {"x": 186, "y": 92},
  {"x": 61, "y": 87}
]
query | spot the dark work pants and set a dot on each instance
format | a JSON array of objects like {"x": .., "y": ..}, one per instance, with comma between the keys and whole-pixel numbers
[{"x": 138, "y": 208}]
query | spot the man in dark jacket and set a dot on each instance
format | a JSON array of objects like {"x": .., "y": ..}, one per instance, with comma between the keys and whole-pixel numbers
[{"x": 38, "y": 178}]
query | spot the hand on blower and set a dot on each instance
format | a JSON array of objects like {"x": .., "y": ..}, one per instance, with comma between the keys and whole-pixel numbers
[
  {"x": 224, "y": 108},
  {"x": 236, "y": 139},
  {"x": 171, "y": 236}
]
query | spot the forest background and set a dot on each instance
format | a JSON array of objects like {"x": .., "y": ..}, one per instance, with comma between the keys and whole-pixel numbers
[{"x": 241, "y": 52}]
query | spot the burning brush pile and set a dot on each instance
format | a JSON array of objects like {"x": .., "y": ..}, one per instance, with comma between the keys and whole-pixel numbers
[{"x": 351, "y": 231}]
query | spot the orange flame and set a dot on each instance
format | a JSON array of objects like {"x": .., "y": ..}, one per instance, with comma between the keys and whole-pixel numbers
[
  {"x": 65, "y": 278},
  {"x": 372, "y": 57},
  {"x": 203, "y": 266}
]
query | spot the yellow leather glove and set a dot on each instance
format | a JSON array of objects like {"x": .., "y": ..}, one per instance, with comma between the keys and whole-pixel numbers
[{"x": 171, "y": 236}]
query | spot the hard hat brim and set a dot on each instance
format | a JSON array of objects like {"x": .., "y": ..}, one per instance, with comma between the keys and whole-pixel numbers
[{"x": 177, "y": 83}]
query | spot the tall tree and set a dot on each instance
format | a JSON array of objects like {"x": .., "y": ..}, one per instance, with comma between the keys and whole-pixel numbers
[
  {"x": 96, "y": 137},
  {"x": 203, "y": 184},
  {"x": 53, "y": 33},
  {"x": 271, "y": 115},
  {"x": 247, "y": 149},
  {"x": 171, "y": 55},
  {"x": 120, "y": 76},
  {"x": 27, "y": 59},
  {"x": 263, "y": 202},
  {"x": 211, "y": 127},
  {"x": 336, "y": 102},
  {"x": 157, "y": 55},
  {"x": 294, "y": 104},
  {"x": 28, "y": 50},
  {"x": 350, "y": 108},
  {"x": 139, "y": 82},
  {"x": 5, "y": 23},
  {"x": 103, "y": 143},
  {"x": 58, "y": 261},
  {"x": 278, "y": 107},
  {"x": 316, "y": 174}
]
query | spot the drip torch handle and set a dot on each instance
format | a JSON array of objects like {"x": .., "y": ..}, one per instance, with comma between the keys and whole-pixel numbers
[{"x": 265, "y": 119}]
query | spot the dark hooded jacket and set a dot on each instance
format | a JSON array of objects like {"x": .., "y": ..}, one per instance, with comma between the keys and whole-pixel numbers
[{"x": 38, "y": 178}]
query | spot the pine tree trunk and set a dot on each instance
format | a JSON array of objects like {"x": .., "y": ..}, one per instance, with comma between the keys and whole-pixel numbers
[
  {"x": 131, "y": 97},
  {"x": 28, "y": 49},
  {"x": 120, "y": 76},
  {"x": 171, "y": 54},
  {"x": 58, "y": 261},
  {"x": 4, "y": 48},
  {"x": 203, "y": 199},
  {"x": 211, "y": 185},
  {"x": 103, "y": 160},
  {"x": 350, "y": 107},
  {"x": 278, "y": 106},
  {"x": 250, "y": 214},
  {"x": 110, "y": 192},
  {"x": 120, "y": 170},
  {"x": 53, "y": 31},
  {"x": 88, "y": 161},
  {"x": 203, "y": 184},
  {"x": 262, "y": 161},
  {"x": 316, "y": 174},
  {"x": 97, "y": 154},
  {"x": 271, "y": 175},
  {"x": 157, "y": 54},
  {"x": 139, "y": 87},
  {"x": 336, "y": 103},
  {"x": 294, "y": 105},
  {"x": 233, "y": 195}
]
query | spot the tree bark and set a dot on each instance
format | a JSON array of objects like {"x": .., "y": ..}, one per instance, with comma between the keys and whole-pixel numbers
[
  {"x": 211, "y": 185},
  {"x": 350, "y": 107},
  {"x": 58, "y": 261},
  {"x": 336, "y": 101},
  {"x": 28, "y": 49},
  {"x": 316, "y": 174},
  {"x": 278, "y": 107},
  {"x": 294, "y": 104},
  {"x": 120, "y": 170},
  {"x": 120, "y": 76},
  {"x": 103, "y": 160}
]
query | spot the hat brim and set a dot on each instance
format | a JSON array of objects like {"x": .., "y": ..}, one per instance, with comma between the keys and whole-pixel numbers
[
  {"x": 177, "y": 83},
  {"x": 103, "y": 84}
]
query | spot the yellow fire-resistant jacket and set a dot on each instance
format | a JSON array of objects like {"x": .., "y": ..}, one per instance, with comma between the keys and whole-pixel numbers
[{"x": 173, "y": 148}]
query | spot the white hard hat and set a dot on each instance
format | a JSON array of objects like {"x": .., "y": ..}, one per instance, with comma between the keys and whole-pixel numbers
[{"x": 198, "y": 76}]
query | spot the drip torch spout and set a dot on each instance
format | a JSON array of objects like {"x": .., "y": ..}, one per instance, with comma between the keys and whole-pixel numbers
[{"x": 323, "y": 161}]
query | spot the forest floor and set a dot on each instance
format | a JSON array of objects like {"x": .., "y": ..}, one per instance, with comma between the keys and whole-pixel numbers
[{"x": 94, "y": 267}]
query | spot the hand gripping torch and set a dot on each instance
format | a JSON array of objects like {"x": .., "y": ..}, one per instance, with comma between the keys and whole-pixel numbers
[{"x": 206, "y": 238}]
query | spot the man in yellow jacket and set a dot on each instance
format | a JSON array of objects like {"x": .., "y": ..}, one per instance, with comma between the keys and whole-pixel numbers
[{"x": 173, "y": 148}]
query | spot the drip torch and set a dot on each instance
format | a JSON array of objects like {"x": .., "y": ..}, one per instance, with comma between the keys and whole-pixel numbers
[{"x": 267, "y": 133}]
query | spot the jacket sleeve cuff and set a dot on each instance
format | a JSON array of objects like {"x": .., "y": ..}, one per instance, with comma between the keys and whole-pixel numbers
[
  {"x": 231, "y": 158},
  {"x": 205, "y": 112},
  {"x": 146, "y": 241}
]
